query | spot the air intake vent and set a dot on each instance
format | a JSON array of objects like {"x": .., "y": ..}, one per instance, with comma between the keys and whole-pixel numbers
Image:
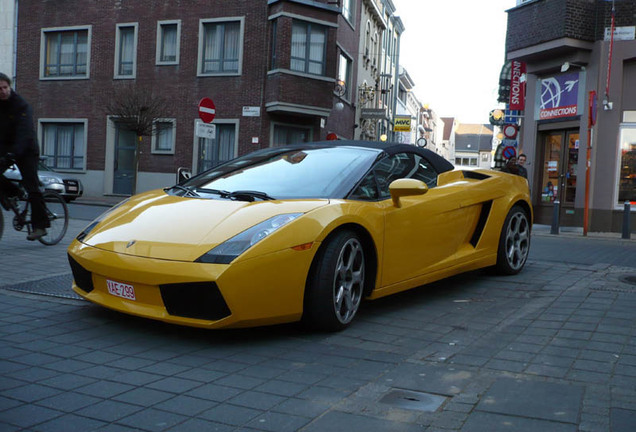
[
  {"x": 475, "y": 175},
  {"x": 83, "y": 278},
  {"x": 200, "y": 300}
]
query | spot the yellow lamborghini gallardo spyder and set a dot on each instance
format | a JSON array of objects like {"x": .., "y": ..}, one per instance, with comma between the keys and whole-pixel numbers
[{"x": 300, "y": 233}]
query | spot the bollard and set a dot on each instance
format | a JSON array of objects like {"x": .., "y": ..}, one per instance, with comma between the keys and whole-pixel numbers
[
  {"x": 626, "y": 215},
  {"x": 555, "y": 218}
]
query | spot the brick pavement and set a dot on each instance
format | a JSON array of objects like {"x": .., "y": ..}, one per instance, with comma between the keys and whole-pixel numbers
[{"x": 551, "y": 349}]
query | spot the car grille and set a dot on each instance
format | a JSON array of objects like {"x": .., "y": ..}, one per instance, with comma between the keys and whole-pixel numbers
[
  {"x": 71, "y": 186},
  {"x": 200, "y": 300},
  {"x": 83, "y": 278}
]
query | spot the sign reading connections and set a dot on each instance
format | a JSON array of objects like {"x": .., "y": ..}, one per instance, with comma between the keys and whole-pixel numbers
[{"x": 559, "y": 96}]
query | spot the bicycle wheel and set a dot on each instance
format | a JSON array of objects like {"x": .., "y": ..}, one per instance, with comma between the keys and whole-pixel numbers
[{"x": 57, "y": 211}]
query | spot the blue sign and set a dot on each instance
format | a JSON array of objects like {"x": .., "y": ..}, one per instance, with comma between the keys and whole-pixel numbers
[{"x": 559, "y": 96}]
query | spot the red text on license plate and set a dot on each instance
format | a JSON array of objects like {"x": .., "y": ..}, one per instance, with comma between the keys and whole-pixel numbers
[{"x": 121, "y": 289}]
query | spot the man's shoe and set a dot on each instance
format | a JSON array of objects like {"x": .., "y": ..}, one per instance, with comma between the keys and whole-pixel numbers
[{"x": 36, "y": 234}]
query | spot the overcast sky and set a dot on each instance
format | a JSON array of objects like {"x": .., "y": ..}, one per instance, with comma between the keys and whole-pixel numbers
[{"x": 454, "y": 50}]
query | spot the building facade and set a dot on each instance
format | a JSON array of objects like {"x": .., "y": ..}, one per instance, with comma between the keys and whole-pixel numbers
[
  {"x": 8, "y": 27},
  {"x": 473, "y": 145},
  {"x": 578, "y": 123},
  {"x": 273, "y": 70}
]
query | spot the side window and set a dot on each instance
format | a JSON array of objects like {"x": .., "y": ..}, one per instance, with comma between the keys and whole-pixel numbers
[{"x": 401, "y": 165}]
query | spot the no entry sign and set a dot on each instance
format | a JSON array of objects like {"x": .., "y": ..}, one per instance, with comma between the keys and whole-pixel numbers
[{"x": 207, "y": 110}]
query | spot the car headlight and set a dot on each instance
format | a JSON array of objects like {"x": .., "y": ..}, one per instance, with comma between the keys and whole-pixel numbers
[
  {"x": 49, "y": 180},
  {"x": 227, "y": 251}
]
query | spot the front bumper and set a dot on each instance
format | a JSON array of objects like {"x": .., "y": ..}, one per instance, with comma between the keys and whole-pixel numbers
[{"x": 260, "y": 291}]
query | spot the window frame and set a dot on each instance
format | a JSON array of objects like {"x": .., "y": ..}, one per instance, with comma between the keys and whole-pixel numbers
[
  {"x": 43, "y": 51},
  {"x": 273, "y": 126},
  {"x": 200, "y": 59},
  {"x": 217, "y": 122},
  {"x": 619, "y": 158},
  {"x": 350, "y": 7},
  {"x": 159, "y": 43},
  {"x": 348, "y": 79},
  {"x": 306, "y": 60},
  {"x": 118, "y": 47},
  {"x": 155, "y": 136},
  {"x": 42, "y": 122}
]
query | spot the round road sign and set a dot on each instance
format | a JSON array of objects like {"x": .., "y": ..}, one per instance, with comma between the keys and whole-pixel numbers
[
  {"x": 510, "y": 131},
  {"x": 207, "y": 110},
  {"x": 509, "y": 152}
]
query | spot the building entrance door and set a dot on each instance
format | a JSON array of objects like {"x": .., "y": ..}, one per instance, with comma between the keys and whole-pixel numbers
[
  {"x": 124, "y": 173},
  {"x": 560, "y": 154}
]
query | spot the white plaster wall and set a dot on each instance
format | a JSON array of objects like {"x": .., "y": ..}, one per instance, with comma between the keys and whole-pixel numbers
[{"x": 7, "y": 17}]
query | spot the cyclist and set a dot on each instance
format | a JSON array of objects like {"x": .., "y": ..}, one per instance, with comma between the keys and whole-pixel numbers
[{"x": 17, "y": 137}]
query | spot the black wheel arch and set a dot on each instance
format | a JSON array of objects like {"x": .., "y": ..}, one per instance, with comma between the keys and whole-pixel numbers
[{"x": 370, "y": 254}]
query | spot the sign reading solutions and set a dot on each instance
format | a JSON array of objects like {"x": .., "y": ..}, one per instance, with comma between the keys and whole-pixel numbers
[
  {"x": 402, "y": 124},
  {"x": 559, "y": 96}
]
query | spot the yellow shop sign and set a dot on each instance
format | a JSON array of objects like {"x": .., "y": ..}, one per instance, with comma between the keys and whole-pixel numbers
[{"x": 402, "y": 124}]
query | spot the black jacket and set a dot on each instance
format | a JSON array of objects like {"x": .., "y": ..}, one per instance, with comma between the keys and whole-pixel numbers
[{"x": 17, "y": 134}]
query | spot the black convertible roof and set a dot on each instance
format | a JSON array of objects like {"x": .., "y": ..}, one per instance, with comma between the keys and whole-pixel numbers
[{"x": 439, "y": 163}]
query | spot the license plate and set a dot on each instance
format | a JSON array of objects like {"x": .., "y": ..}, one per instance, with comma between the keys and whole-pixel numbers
[
  {"x": 121, "y": 289},
  {"x": 72, "y": 189}
]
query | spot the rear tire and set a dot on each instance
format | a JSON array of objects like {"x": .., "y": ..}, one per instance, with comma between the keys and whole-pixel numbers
[
  {"x": 336, "y": 283},
  {"x": 514, "y": 242},
  {"x": 57, "y": 212}
]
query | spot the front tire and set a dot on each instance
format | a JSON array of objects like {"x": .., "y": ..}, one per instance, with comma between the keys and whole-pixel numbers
[
  {"x": 514, "y": 242},
  {"x": 57, "y": 212},
  {"x": 336, "y": 283}
]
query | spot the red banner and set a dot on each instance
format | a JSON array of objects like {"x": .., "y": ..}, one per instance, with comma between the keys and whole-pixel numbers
[{"x": 517, "y": 88}]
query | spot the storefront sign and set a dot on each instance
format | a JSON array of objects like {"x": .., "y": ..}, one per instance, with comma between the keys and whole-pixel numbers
[
  {"x": 517, "y": 88},
  {"x": 402, "y": 124},
  {"x": 559, "y": 96},
  {"x": 373, "y": 113}
]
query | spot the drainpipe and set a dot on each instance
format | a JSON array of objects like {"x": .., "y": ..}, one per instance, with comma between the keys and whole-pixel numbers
[{"x": 15, "y": 43}]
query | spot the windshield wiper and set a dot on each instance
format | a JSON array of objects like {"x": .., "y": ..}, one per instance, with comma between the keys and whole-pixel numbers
[
  {"x": 186, "y": 190},
  {"x": 248, "y": 195}
]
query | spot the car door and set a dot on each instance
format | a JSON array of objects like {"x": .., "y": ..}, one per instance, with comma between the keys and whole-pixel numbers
[{"x": 425, "y": 231}]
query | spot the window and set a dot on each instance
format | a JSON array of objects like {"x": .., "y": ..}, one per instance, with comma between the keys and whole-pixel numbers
[
  {"x": 168, "y": 42},
  {"x": 375, "y": 52},
  {"x": 126, "y": 51},
  {"x": 285, "y": 134},
  {"x": 308, "y": 47},
  {"x": 220, "y": 47},
  {"x": 63, "y": 144},
  {"x": 344, "y": 75},
  {"x": 367, "y": 41},
  {"x": 220, "y": 149},
  {"x": 627, "y": 174},
  {"x": 163, "y": 136},
  {"x": 347, "y": 10},
  {"x": 402, "y": 165},
  {"x": 65, "y": 53}
]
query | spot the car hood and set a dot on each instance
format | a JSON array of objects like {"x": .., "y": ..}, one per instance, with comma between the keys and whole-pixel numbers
[{"x": 162, "y": 226}]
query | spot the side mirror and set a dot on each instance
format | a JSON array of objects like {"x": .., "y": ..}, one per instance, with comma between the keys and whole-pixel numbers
[{"x": 406, "y": 187}]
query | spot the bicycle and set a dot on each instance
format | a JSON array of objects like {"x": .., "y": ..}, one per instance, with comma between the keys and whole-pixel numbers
[{"x": 56, "y": 211}]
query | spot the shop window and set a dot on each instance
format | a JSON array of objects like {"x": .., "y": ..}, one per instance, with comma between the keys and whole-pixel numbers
[{"x": 627, "y": 170}]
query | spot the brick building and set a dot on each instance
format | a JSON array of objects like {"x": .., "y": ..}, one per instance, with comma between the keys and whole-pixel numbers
[
  {"x": 269, "y": 66},
  {"x": 577, "y": 69}
]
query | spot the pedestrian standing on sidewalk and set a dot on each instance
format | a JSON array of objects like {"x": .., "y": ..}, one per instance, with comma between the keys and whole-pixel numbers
[
  {"x": 521, "y": 162},
  {"x": 17, "y": 137}
]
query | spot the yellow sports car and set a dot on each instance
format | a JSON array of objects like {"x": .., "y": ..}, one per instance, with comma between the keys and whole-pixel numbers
[{"x": 302, "y": 232}]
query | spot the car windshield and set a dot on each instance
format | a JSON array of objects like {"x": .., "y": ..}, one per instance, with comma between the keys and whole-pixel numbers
[{"x": 328, "y": 172}]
